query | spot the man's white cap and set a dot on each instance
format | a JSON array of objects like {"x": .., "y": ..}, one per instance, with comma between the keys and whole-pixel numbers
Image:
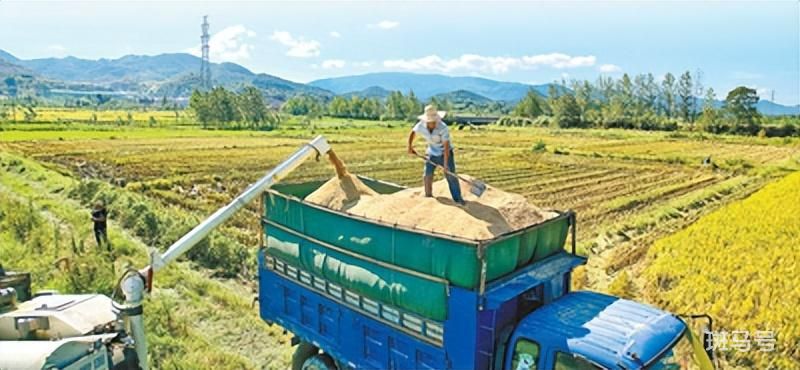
[{"x": 431, "y": 114}]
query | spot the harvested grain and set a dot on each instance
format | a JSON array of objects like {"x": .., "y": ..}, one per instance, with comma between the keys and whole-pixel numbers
[
  {"x": 494, "y": 213},
  {"x": 341, "y": 193}
]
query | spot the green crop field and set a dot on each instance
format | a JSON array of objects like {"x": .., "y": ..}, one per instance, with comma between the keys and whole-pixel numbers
[{"x": 629, "y": 189}]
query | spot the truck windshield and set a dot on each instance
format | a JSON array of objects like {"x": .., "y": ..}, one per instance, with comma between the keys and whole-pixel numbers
[{"x": 679, "y": 357}]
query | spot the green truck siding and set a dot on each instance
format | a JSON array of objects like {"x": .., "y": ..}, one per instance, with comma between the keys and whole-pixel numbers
[{"x": 444, "y": 259}]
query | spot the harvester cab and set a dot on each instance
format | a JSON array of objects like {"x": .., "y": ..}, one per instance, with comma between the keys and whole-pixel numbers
[{"x": 59, "y": 331}]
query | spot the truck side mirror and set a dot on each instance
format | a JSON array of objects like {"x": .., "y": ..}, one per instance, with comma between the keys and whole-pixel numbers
[{"x": 708, "y": 333}]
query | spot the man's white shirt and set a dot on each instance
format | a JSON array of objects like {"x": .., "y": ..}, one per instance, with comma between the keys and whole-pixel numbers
[{"x": 435, "y": 139}]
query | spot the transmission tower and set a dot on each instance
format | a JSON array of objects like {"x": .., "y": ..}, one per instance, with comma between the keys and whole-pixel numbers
[{"x": 205, "y": 65}]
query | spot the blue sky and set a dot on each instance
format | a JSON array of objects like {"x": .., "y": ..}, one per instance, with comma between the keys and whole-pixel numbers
[{"x": 752, "y": 43}]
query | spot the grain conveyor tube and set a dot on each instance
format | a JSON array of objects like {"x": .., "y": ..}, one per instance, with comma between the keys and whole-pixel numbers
[{"x": 133, "y": 285}]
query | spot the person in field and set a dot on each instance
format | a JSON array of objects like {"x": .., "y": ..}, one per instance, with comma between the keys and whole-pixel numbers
[
  {"x": 99, "y": 216},
  {"x": 440, "y": 150}
]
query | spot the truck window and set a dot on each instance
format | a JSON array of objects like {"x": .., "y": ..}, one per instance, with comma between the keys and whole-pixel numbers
[
  {"x": 566, "y": 361},
  {"x": 526, "y": 355}
]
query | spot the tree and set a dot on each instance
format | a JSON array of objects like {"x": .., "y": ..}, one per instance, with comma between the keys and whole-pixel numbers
[
  {"x": 583, "y": 96},
  {"x": 413, "y": 106},
  {"x": 740, "y": 105},
  {"x": 566, "y": 111},
  {"x": 396, "y": 107},
  {"x": 552, "y": 94},
  {"x": 200, "y": 107},
  {"x": 613, "y": 114},
  {"x": 530, "y": 106},
  {"x": 303, "y": 105},
  {"x": 252, "y": 108},
  {"x": 668, "y": 93},
  {"x": 709, "y": 118},
  {"x": 338, "y": 107},
  {"x": 626, "y": 95},
  {"x": 225, "y": 109},
  {"x": 605, "y": 85},
  {"x": 685, "y": 97},
  {"x": 650, "y": 93}
]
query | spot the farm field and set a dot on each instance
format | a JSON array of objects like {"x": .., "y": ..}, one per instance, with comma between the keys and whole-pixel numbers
[
  {"x": 629, "y": 188},
  {"x": 746, "y": 277}
]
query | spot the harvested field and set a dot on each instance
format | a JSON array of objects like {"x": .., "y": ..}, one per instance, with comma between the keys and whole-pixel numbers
[{"x": 623, "y": 184}]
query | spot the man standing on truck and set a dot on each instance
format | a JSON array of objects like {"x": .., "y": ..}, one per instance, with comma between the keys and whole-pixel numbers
[{"x": 439, "y": 152}]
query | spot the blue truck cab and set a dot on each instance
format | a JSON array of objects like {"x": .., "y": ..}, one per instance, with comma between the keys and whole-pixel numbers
[{"x": 341, "y": 286}]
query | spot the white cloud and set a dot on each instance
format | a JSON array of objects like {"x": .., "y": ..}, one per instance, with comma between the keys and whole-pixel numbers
[
  {"x": 228, "y": 45},
  {"x": 335, "y": 34},
  {"x": 384, "y": 25},
  {"x": 298, "y": 46},
  {"x": 56, "y": 48},
  {"x": 490, "y": 64},
  {"x": 610, "y": 68},
  {"x": 365, "y": 64},
  {"x": 560, "y": 60},
  {"x": 333, "y": 63}
]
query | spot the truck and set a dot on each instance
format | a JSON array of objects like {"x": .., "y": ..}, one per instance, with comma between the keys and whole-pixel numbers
[{"x": 358, "y": 293}]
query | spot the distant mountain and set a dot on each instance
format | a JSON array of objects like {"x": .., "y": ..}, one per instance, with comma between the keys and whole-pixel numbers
[
  {"x": 427, "y": 85},
  {"x": 462, "y": 97},
  {"x": 769, "y": 108},
  {"x": 173, "y": 75},
  {"x": 8, "y": 57},
  {"x": 372, "y": 92},
  {"x": 8, "y": 68},
  {"x": 764, "y": 107}
]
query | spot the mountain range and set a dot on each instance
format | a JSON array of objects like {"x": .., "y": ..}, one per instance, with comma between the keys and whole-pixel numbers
[
  {"x": 428, "y": 85},
  {"x": 175, "y": 75}
]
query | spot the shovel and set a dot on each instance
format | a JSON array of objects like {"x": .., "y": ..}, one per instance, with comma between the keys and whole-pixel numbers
[{"x": 476, "y": 187}]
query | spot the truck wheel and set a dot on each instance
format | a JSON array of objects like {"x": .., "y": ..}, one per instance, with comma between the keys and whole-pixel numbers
[
  {"x": 303, "y": 352},
  {"x": 319, "y": 362}
]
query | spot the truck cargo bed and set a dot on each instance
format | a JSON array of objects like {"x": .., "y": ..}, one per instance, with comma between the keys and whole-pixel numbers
[{"x": 409, "y": 268}]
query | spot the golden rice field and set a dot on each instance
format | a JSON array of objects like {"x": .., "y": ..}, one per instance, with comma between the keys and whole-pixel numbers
[{"x": 740, "y": 265}]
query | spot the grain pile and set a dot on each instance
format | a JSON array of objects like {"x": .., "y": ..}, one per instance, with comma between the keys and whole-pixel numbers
[
  {"x": 495, "y": 212},
  {"x": 341, "y": 193}
]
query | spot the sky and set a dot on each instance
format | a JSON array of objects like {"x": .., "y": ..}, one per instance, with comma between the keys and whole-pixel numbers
[{"x": 751, "y": 43}]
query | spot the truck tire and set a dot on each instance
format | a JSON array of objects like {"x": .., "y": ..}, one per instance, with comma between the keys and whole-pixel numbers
[
  {"x": 303, "y": 352},
  {"x": 319, "y": 362}
]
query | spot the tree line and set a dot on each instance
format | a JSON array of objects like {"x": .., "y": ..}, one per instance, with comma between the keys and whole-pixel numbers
[
  {"x": 224, "y": 109},
  {"x": 643, "y": 102},
  {"x": 639, "y": 102},
  {"x": 396, "y": 106}
]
